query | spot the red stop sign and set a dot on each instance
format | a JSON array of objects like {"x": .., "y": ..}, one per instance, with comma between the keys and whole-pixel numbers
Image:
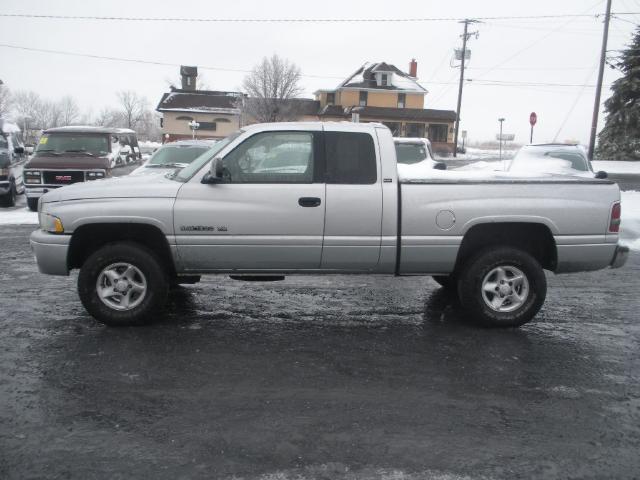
[{"x": 533, "y": 118}]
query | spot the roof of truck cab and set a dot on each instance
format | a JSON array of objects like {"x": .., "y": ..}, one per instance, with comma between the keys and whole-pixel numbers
[
  {"x": 350, "y": 126},
  {"x": 87, "y": 129}
]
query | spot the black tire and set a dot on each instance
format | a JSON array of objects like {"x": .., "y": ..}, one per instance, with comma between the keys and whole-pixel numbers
[
  {"x": 32, "y": 203},
  {"x": 482, "y": 269},
  {"x": 450, "y": 282},
  {"x": 156, "y": 278},
  {"x": 9, "y": 198}
]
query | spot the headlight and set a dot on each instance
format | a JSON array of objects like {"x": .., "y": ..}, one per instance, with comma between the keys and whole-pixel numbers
[
  {"x": 95, "y": 175},
  {"x": 50, "y": 223},
  {"x": 31, "y": 176}
]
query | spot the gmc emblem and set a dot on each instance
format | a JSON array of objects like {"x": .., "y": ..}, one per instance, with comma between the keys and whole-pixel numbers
[{"x": 63, "y": 178}]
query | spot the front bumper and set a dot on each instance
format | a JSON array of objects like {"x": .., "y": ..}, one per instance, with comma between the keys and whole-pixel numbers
[
  {"x": 50, "y": 251},
  {"x": 620, "y": 256},
  {"x": 32, "y": 191}
]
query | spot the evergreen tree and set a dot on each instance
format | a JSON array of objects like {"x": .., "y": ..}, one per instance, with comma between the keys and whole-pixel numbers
[{"x": 620, "y": 137}]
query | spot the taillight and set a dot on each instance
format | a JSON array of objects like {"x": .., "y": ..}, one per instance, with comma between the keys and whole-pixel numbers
[{"x": 614, "y": 224}]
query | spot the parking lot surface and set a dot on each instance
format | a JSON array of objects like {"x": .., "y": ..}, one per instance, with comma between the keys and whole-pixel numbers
[{"x": 317, "y": 377}]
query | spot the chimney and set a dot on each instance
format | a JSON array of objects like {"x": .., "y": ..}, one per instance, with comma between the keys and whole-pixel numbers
[
  {"x": 189, "y": 75},
  {"x": 413, "y": 68}
]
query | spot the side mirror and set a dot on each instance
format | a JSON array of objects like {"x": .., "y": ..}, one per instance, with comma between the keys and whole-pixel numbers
[
  {"x": 602, "y": 174},
  {"x": 214, "y": 175},
  {"x": 217, "y": 167},
  {"x": 440, "y": 166},
  {"x": 19, "y": 150}
]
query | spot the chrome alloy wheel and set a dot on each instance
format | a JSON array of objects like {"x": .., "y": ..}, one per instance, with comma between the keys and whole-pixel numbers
[
  {"x": 121, "y": 286},
  {"x": 505, "y": 289}
]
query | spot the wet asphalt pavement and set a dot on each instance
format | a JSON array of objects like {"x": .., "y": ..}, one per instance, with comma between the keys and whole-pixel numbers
[{"x": 317, "y": 377}]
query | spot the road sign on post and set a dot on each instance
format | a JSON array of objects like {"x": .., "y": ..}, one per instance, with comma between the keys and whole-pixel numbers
[{"x": 533, "y": 119}]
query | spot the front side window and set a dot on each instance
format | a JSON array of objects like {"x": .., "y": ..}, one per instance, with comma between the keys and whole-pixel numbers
[
  {"x": 271, "y": 157},
  {"x": 409, "y": 153},
  {"x": 363, "y": 98},
  {"x": 351, "y": 158}
]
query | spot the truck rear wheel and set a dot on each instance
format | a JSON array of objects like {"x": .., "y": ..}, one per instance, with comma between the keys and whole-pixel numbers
[
  {"x": 123, "y": 284},
  {"x": 502, "y": 287}
]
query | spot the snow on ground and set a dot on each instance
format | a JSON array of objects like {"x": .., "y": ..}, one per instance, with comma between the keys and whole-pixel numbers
[{"x": 630, "y": 227}]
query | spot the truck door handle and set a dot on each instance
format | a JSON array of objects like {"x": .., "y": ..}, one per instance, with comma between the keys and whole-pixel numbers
[{"x": 309, "y": 201}]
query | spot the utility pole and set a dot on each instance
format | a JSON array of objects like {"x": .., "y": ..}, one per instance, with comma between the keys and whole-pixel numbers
[
  {"x": 596, "y": 104},
  {"x": 501, "y": 119},
  {"x": 465, "y": 37}
]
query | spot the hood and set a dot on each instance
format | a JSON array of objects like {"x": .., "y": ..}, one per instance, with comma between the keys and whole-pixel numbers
[
  {"x": 139, "y": 186},
  {"x": 81, "y": 162}
]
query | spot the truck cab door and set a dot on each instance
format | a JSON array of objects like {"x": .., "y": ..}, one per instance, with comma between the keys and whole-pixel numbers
[
  {"x": 353, "y": 224},
  {"x": 267, "y": 213}
]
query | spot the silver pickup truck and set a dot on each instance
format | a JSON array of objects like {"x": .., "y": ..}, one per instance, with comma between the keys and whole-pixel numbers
[{"x": 323, "y": 198}]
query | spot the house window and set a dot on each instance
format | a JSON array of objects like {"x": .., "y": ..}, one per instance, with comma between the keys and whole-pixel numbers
[
  {"x": 363, "y": 98},
  {"x": 222, "y": 120},
  {"x": 402, "y": 100},
  {"x": 331, "y": 98},
  {"x": 207, "y": 126},
  {"x": 414, "y": 130},
  {"x": 438, "y": 132},
  {"x": 185, "y": 118},
  {"x": 383, "y": 80}
]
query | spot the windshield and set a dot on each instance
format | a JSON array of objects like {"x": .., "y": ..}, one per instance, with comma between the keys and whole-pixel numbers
[
  {"x": 171, "y": 154},
  {"x": 409, "y": 153},
  {"x": 549, "y": 159},
  {"x": 193, "y": 168},
  {"x": 97, "y": 145}
]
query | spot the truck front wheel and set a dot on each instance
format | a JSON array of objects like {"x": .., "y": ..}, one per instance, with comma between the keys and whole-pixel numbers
[
  {"x": 123, "y": 284},
  {"x": 502, "y": 287}
]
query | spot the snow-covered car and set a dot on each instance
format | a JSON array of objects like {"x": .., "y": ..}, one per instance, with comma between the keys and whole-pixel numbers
[
  {"x": 553, "y": 158},
  {"x": 171, "y": 156},
  {"x": 414, "y": 155},
  {"x": 12, "y": 160}
]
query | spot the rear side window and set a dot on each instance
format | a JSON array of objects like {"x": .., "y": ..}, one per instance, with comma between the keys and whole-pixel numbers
[{"x": 351, "y": 158}]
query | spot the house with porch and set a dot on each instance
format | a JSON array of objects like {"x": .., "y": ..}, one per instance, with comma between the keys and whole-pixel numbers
[{"x": 381, "y": 92}]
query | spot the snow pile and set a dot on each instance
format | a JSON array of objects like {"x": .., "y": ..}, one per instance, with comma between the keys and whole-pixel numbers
[
  {"x": 22, "y": 216},
  {"x": 611, "y": 166},
  {"x": 630, "y": 228}
]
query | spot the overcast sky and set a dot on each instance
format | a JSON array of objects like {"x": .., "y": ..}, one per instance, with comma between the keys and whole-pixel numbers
[{"x": 550, "y": 51}]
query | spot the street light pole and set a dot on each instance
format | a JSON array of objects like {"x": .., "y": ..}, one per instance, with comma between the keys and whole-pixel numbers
[{"x": 501, "y": 119}]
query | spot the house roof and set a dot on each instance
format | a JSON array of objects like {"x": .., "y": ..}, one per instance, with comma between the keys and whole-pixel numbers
[
  {"x": 416, "y": 114},
  {"x": 199, "y": 101},
  {"x": 365, "y": 77}
]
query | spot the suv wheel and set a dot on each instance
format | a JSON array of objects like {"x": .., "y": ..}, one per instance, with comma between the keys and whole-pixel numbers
[
  {"x": 123, "y": 284},
  {"x": 32, "y": 203},
  {"x": 502, "y": 287},
  {"x": 9, "y": 198}
]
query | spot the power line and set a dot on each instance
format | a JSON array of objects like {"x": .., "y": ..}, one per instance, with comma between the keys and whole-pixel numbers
[
  {"x": 299, "y": 20},
  {"x": 135, "y": 60}
]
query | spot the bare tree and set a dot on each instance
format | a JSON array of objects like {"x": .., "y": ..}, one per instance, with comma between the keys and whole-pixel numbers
[
  {"x": 271, "y": 86},
  {"x": 109, "y": 117},
  {"x": 69, "y": 110},
  {"x": 134, "y": 107},
  {"x": 5, "y": 101}
]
